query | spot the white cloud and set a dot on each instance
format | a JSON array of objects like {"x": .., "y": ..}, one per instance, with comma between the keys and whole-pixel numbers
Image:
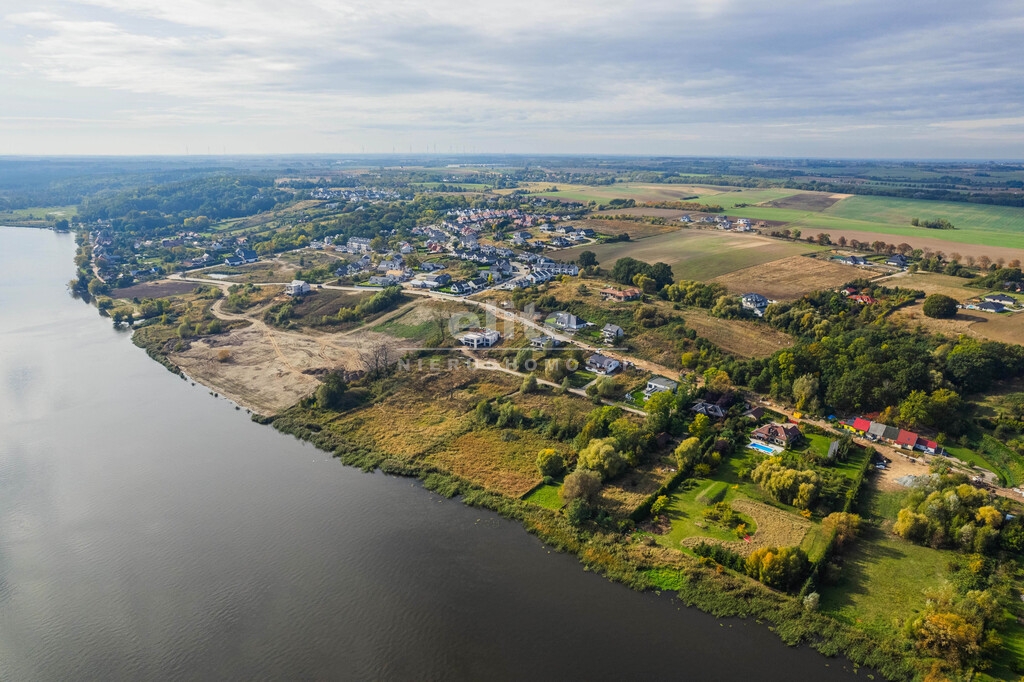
[{"x": 595, "y": 70}]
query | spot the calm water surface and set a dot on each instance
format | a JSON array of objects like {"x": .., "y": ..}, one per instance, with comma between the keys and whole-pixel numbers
[{"x": 151, "y": 531}]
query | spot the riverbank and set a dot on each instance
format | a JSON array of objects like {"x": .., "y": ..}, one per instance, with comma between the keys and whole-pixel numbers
[{"x": 626, "y": 558}]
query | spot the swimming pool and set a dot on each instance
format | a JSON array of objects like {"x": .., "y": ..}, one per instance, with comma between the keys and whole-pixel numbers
[{"x": 760, "y": 447}]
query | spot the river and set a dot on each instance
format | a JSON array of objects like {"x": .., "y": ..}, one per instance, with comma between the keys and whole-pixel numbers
[{"x": 151, "y": 531}]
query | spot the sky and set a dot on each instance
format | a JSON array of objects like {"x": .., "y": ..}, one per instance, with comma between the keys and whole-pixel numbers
[{"x": 846, "y": 78}]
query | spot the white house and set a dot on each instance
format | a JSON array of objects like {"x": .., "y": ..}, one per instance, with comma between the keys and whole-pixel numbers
[
  {"x": 756, "y": 303},
  {"x": 482, "y": 338},
  {"x": 660, "y": 385},
  {"x": 297, "y": 288}
]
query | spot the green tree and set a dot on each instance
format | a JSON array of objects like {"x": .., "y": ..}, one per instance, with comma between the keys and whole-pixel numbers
[
  {"x": 659, "y": 505},
  {"x": 687, "y": 451},
  {"x": 700, "y": 427},
  {"x": 581, "y": 484},
  {"x": 914, "y": 410},
  {"x": 659, "y": 411},
  {"x": 550, "y": 463},
  {"x": 844, "y": 524},
  {"x": 577, "y": 512},
  {"x": 602, "y": 456},
  {"x": 587, "y": 259},
  {"x": 529, "y": 383},
  {"x": 331, "y": 392},
  {"x": 940, "y": 306}
]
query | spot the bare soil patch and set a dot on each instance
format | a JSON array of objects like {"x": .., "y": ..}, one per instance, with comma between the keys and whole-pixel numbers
[
  {"x": 634, "y": 228},
  {"x": 161, "y": 289},
  {"x": 789, "y": 278}
]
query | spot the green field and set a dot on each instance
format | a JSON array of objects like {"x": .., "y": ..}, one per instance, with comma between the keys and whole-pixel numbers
[
  {"x": 976, "y": 223},
  {"x": 884, "y": 579},
  {"x": 40, "y": 213},
  {"x": 695, "y": 254}
]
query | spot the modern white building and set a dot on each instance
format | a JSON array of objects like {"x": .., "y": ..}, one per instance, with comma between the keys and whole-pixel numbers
[{"x": 481, "y": 338}]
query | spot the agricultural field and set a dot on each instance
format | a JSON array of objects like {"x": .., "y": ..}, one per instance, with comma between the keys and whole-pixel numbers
[
  {"x": 650, "y": 193},
  {"x": 980, "y": 228},
  {"x": 697, "y": 254},
  {"x": 789, "y": 278},
  {"x": 634, "y": 228}
]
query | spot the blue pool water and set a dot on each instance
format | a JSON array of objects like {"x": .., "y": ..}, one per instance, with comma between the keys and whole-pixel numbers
[{"x": 762, "y": 448}]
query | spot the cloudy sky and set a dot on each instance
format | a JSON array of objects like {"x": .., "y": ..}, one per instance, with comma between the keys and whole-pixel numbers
[{"x": 852, "y": 78}]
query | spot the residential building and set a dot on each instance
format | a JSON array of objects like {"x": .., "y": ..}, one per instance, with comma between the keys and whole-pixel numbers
[
  {"x": 991, "y": 307},
  {"x": 296, "y": 288},
  {"x": 544, "y": 341},
  {"x": 602, "y": 364},
  {"x": 233, "y": 260},
  {"x": 247, "y": 255},
  {"x": 1002, "y": 299},
  {"x": 480, "y": 338},
  {"x": 382, "y": 281},
  {"x": 358, "y": 244},
  {"x": 557, "y": 268},
  {"x": 659, "y": 385},
  {"x": 611, "y": 332},
  {"x": 755, "y": 303},
  {"x": 777, "y": 434},
  {"x": 898, "y": 260},
  {"x": 566, "y": 321},
  {"x": 708, "y": 409},
  {"x": 622, "y": 295}
]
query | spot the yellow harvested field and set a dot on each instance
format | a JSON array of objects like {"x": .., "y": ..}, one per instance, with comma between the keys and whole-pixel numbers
[
  {"x": 789, "y": 278},
  {"x": 932, "y": 283},
  {"x": 740, "y": 337},
  {"x": 1008, "y": 328}
]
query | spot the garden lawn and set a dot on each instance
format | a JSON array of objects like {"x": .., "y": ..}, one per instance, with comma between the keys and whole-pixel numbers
[
  {"x": 546, "y": 496},
  {"x": 685, "y": 512},
  {"x": 884, "y": 579}
]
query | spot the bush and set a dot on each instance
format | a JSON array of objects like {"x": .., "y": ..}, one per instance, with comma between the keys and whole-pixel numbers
[
  {"x": 577, "y": 512},
  {"x": 940, "y": 306}
]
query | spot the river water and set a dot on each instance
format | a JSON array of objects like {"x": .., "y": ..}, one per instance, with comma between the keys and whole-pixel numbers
[{"x": 151, "y": 531}]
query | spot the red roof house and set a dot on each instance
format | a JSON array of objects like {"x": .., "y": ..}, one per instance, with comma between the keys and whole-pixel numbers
[
  {"x": 863, "y": 298},
  {"x": 861, "y": 424},
  {"x": 906, "y": 439}
]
